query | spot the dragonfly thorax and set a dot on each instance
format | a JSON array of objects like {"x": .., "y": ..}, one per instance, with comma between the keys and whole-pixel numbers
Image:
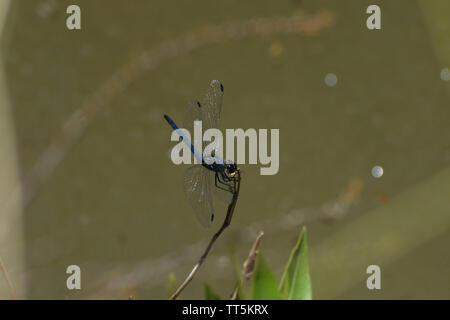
[{"x": 228, "y": 168}]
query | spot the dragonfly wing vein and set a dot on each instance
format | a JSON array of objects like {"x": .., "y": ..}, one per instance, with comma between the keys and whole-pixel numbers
[{"x": 196, "y": 184}]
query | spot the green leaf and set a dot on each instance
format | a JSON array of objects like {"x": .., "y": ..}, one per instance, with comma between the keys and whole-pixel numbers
[
  {"x": 209, "y": 294},
  {"x": 171, "y": 284},
  {"x": 295, "y": 283},
  {"x": 264, "y": 283}
]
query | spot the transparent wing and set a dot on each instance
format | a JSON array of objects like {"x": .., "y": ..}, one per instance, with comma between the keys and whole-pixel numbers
[
  {"x": 212, "y": 105},
  {"x": 193, "y": 113},
  {"x": 196, "y": 184},
  {"x": 222, "y": 190},
  {"x": 208, "y": 111}
]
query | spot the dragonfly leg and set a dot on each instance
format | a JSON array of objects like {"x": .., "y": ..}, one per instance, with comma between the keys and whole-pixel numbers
[{"x": 218, "y": 181}]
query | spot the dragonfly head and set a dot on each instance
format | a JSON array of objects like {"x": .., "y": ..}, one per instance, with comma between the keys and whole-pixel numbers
[{"x": 231, "y": 168}]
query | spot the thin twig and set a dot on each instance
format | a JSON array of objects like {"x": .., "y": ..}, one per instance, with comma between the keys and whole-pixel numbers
[
  {"x": 226, "y": 223},
  {"x": 248, "y": 266},
  {"x": 12, "y": 292}
]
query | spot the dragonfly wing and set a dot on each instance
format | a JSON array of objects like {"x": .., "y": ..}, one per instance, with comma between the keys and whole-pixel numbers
[
  {"x": 196, "y": 184},
  {"x": 193, "y": 113},
  {"x": 208, "y": 111},
  {"x": 212, "y": 106}
]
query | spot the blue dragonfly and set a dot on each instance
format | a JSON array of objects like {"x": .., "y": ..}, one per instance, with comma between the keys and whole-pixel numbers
[{"x": 212, "y": 174}]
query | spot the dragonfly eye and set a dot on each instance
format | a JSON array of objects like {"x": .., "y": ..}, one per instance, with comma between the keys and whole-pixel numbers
[{"x": 231, "y": 169}]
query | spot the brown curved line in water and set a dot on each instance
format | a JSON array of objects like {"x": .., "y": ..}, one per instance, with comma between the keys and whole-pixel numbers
[{"x": 149, "y": 60}]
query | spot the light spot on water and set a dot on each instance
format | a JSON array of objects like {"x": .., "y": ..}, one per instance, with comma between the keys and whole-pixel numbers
[
  {"x": 377, "y": 172},
  {"x": 331, "y": 79},
  {"x": 445, "y": 74},
  {"x": 276, "y": 48}
]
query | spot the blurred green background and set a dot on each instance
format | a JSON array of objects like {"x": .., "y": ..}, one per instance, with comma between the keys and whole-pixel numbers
[{"x": 107, "y": 197}]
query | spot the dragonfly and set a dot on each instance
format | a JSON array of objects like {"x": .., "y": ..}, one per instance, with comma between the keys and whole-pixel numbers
[{"x": 212, "y": 175}]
